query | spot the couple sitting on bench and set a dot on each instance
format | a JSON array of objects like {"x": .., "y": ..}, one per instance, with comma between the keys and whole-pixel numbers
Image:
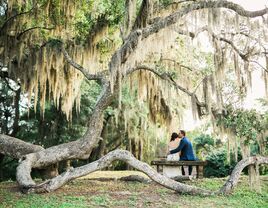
[{"x": 180, "y": 148}]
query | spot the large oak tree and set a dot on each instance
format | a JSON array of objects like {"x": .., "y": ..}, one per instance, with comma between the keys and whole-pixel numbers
[{"x": 47, "y": 46}]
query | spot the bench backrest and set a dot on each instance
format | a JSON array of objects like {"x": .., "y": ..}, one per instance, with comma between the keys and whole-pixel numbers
[{"x": 178, "y": 163}]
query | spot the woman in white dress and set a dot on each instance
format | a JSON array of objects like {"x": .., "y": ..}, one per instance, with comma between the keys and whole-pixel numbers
[{"x": 173, "y": 144}]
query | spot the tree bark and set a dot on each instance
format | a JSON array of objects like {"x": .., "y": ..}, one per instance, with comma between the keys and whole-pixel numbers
[
  {"x": 1, "y": 165},
  {"x": 15, "y": 128},
  {"x": 16, "y": 148}
]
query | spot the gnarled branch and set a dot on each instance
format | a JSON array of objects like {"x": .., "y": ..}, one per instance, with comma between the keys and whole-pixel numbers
[
  {"x": 33, "y": 28},
  {"x": 133, "y": 39},
  {"x": 80, "y": 68},
  {"x": 234, "y": 177},
  {"x": 16, "y": 148},
  {"x": 127, "y": 157},
  {"x": 167, "y": 77},
  {"x": 105, "y": 161}
]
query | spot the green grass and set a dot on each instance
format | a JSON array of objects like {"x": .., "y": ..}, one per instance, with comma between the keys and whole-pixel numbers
[{"x": 91, "y": 193}]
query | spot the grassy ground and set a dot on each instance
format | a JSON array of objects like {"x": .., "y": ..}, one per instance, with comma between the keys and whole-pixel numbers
[{"x": 92, "y": 193}]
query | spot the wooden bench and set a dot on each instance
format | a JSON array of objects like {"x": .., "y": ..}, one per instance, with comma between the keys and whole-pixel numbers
[{"x": 162, "y": 163}]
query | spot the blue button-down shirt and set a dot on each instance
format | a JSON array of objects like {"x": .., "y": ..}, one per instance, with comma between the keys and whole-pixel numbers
[{"x": 186, "y": 148}]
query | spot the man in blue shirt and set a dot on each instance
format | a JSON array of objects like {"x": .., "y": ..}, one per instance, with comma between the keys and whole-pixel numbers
[{"x": 186, "y": 149}]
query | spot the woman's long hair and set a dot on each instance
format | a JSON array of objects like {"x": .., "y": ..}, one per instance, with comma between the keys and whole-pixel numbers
[{"x": 174, "y": 136}]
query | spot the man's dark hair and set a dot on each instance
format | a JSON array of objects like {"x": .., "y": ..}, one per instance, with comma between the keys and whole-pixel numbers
[
  {"x": 174, "y": 136},
  {"x": 183, "y": 132}
]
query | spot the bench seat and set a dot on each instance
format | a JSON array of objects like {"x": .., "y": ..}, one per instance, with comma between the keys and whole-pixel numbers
[{"x": 165, "y": 166}]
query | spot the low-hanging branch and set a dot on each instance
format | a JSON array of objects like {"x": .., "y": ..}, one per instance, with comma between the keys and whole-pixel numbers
[
  {"x": 33, "y": 28},
  {"x": 16, "y": 148},
  {"x": 167, "y": 77},
  {"x": 234, "y": 177},
  {"x": 181, "y": 65},
  {"x": 105, "y": 161},
  {"x": 84, "y": 71},
  {"x": 127, "y": 157},
  {"x": 19, "y": 14}
]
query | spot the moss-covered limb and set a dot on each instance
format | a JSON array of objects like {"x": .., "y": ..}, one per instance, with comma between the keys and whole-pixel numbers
[
  {"x": 244, "y": 56},
  {"x": 163, "y": 76},
  {"x": 138, "y": 35},
  {"x": 167, "y": 77},
  {"x": 79, "y": 67},
  {"x": 14, "y": 17},
  {"x": 33, "y": 28},
  {"x": 143, "y": 15},
  {"x": 130, "y": 15}
]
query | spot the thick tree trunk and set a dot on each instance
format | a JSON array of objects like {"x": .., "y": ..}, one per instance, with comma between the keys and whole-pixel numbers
[{"x": 1, "y": 165}]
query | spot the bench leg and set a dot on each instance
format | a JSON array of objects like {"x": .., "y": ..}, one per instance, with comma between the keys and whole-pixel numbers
[
  {"x": 159, "y": 169},
  {"x": 200, "y": 171}
]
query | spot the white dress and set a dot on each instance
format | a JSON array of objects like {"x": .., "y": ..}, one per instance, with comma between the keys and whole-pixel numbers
[{"x": 173, "y": 157}]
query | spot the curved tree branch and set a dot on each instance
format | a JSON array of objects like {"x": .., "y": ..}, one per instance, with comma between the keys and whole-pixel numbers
[
  {"x": 105, "y": 161},
  {"x": 84, "y": 71},
  {"x": 234, "y": 177},
  {"x": 33, "y": 28},
  {"x": 253, "y": 61},
  {"x": 16, "y": 148},
  {"x": 79, "y": 149},
  {"x": 13, "y": 17},
  {"x": 167, "y": 77},
  {"x": 127, "y": 157},
  {"x": 138, "y": 35}
]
